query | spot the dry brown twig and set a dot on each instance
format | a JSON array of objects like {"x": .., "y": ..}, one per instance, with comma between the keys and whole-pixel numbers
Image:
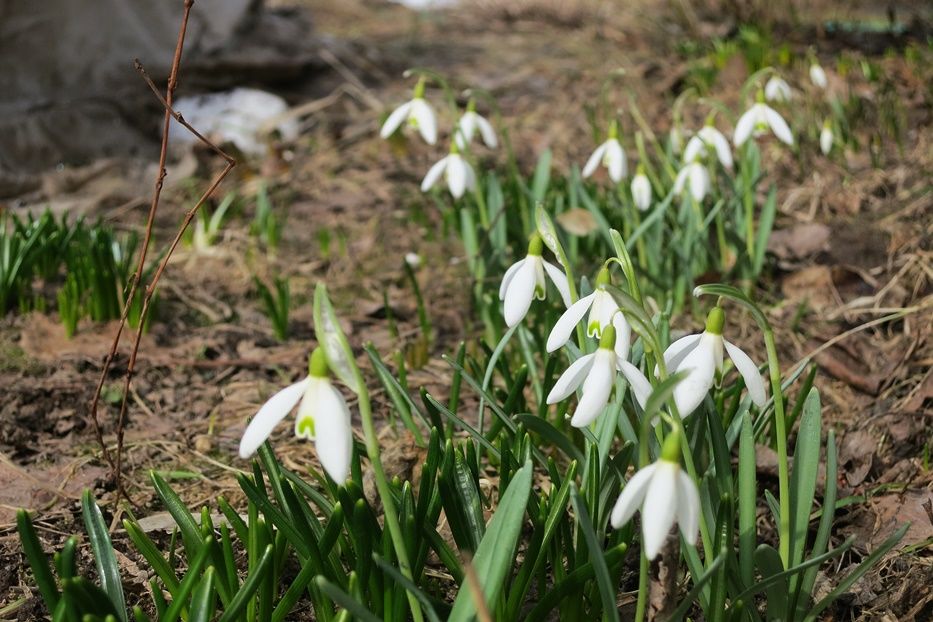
[{"x": 115, "y": 462}]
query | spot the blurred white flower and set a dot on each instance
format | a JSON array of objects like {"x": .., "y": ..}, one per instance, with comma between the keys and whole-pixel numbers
[
  {"x": 777, "y": 90},
  {"x": 419, "y": 115},
  {"x": 757, "y": 120},
  {"x": 413, "y": 260},
  {"x": 826, "y": 138},
  {"x": 609, "y": 154},
  {"x": 641, "y": 190},
  {"x": 709, "y": 136},
  {"x": 524, "y": 281},
  {"x": 469, "y": 123},
  {"x": 457, "y": 172},
  {"x": 695, "y": 177},
  {"x": 818, "y": 76}
]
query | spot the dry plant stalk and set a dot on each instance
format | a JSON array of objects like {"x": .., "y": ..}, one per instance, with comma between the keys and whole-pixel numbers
[{"x": 115, "y": 461}]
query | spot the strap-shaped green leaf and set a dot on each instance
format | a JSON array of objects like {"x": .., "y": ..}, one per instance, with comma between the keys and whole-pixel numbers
[
  {"x": 104, "y": 558},
  {"x": 37, "y": 560}
]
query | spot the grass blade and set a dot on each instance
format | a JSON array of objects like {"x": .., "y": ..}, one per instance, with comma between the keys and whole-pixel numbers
[{"x": 104, "y": 557}]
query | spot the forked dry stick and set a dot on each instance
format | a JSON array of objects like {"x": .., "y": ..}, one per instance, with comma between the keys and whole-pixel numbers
[{"x": 116, "y": 462}]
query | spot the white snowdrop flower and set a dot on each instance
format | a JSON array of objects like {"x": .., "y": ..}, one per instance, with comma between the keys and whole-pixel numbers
[
  {"x": 469, "y": 123},
  {"x": 759, "y": 119},
  {"x": 777, "y": 90},
  {"x": 524, "y": 281},
  {"x": 701, "y": 356},
  {"x": 457, "y": 172},
  {"x": 641, "y": 189},
  {"x": 609, "y": 154},
  {"x": 818, "y": 76},
  {"x": 666, "y": 495},
  {"x": 596, "y": 373},
  {"x": 603, "y": 312},
  {"x": 709, "y": 137},
  {"x": 694, "y": 177},
  {"x": 677, "y": 140},
  {"x": 413, "y": 260},
  {"x": 419, "y": 115},
  {"x": 323, "y": 417},
  {"x": 826, "y": 138}
]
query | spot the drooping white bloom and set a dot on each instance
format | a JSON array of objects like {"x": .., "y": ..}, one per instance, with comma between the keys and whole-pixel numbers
[
  {"x": 419, "y": 115},
  {"x": 323, "y": 417},
  {"x": 596, "y": 372},
  {"x": 665, "y": 495},
  {"x": 695, "y": 177},
  {"x": 677, "y": 139},
  {"x": 469, "y": 123},
  {"x": 701, "y": 356},
  {"x": 709, "y": 136},
  {"x": 777, "y": 90},
  {"x": 757, "y": 120},
  {"x": 524, "y": 281},
  {"x": 818, "y": 76},
  {"x": 641, "y": 190},
  {"x": 609, "y": 154},
  {"x": 457, "y": 172},
  {"x": 826, "y": 138},
  {"x": 603, "y": 312}
]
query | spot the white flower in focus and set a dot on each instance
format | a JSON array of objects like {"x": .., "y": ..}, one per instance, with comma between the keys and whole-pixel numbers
[
  {"x": 826, "y": 138},
  {"x": 757, "y": 120},
  {"x": 665, "y": 495},
  {"x": 469, "y": 123},
  {"x": 419, "y": 115},
  {"x": 695, "y": 177},
  {"x": 524, "y": 281},
  {"x": 604, "y": 312},
  {"x": 641, "y": 190},
  {"x": 709, "y": 136},
  {"x": 777, "y": 90},
  {"x": 701, "y": 356},
  {"x": 609, "y": 154},
  {"x": 596, "y": 374},
  {"x": 323, "y": 417},
  {"x": 818, "y": 76},
  {"x": 458, "y": 174}
]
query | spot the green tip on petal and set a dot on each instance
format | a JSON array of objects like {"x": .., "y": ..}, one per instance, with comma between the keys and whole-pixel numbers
[
  {"x": 715, "y": 321},
  {"x": 670, "y": 450},
  {"x": 317, "y": 364},
  {"x": 603, "y": 277},
  {"x": 608, "y": 338},
  {"x": 419, "y": 88},
  {"x": 535, "y": 245},
  {"x": 304, "y": 427}
]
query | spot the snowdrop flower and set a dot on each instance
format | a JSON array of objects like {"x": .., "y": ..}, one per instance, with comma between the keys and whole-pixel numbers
[
  {"x": 695, "y": 177},
  {"x": 757, "y": 120},
  {"x": 818, "y": 76},
  {"x": 524, "y": 281},
  {"x": 323, "y": 417},
  {"x": 469, "y": 123},
  {"x": 609, "y": 154},
  {"x": 826, "y": 137},
  {"x": 417, "y": 112},
  {"x": 596, "y": 373},
  {"x": 701, "y": 356},
  {"x": 666, "y": 495},
  {"x": 458, "y": 174},
  {"x": 604, "y": 312},
  {"x": 677, "y": 140},
  {"x": 709, "y": 136},
  {"x": 641, "y": 189},
  {"x": 777, "y": 90}
]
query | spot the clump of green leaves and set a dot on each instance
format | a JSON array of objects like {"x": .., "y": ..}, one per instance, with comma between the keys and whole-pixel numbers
[{"x": 276, "y": 303}]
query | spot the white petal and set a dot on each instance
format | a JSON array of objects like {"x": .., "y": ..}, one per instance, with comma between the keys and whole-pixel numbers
[
  {"x": 423, "y": 114},
  {"x": 269, "y": 416},
  {"x": 681, "y": 179},
  {"x": 463, "y": 133},
  {"x": 700, "y": 365},
  {"x": 615, "y": 160},
  {"x": 487, "y": 132},
  {"x": 623, "y": 335},
  {"x": 601, "y": 313},
  {"x": 695, "y": 147},
  {"x": 632, "y": 496},
  {"x": 779, "y": 126},
  {"x": 699, "y": 182},
  {"x": 657, "y": 514},
  {"x": 334, "y": 435},
  {"x": 749, "y": 371},
  {"x": 571, "y": 378},
  {"x": 596, "y": 389},
  {"x": 434, "y": 173},
  {"x": 520, "y": 292},
  {"x": 641, "y": 388},
  {"x": 503, "y": 287},
  {"x": 676, "y": 352},
  {"x": 777, "y": 90},
  {"x": 456, "y": 175},
  {"x": 565, "y": 325},
  {"x": 688, "y": 507},
  {"x": 540, "y": 283},
  {"x": 818, "y": 76},
  {"x": 714, "y": 137},
  {"x": 594, "y": 161},
  {"x": 826, "y": 140},
  {"x": 641, "y": 192},
  {"x": 559, "y": 279},
  {"x": 743, "y": 129},
  {"x": 394, "y": 120}
]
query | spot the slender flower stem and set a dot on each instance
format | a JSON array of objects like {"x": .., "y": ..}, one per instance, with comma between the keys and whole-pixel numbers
[
  {"x": 642, "y": 604},
  {"x": 780, "y": 438}
]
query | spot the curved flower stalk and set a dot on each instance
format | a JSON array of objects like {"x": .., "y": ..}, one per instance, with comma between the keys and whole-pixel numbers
[
  {"x": 818, "y": 76},
  {"x": 596, "y": 372},
  {"x": 469, "y": 123},
  {"x": 826, "y": 137},
  {"x": 759, "y": 119},
  {"x": 778, "y": 90},
  {"x": 609, "y": 154},
  {"x": 709, "y": 137},
  {"x": 603, "y": 313},
  {"x": 701, "y": 356},
  {"x": 641, "y": 189},
  {"x": 695, "y": 177},
  {"x": 417, "y": 112},
  {"x": 323, "y": 417},
  {"x": 665, "y": 495},
  {"x": 457, "y": 172},
  {"x": 524, "y": 281}
]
